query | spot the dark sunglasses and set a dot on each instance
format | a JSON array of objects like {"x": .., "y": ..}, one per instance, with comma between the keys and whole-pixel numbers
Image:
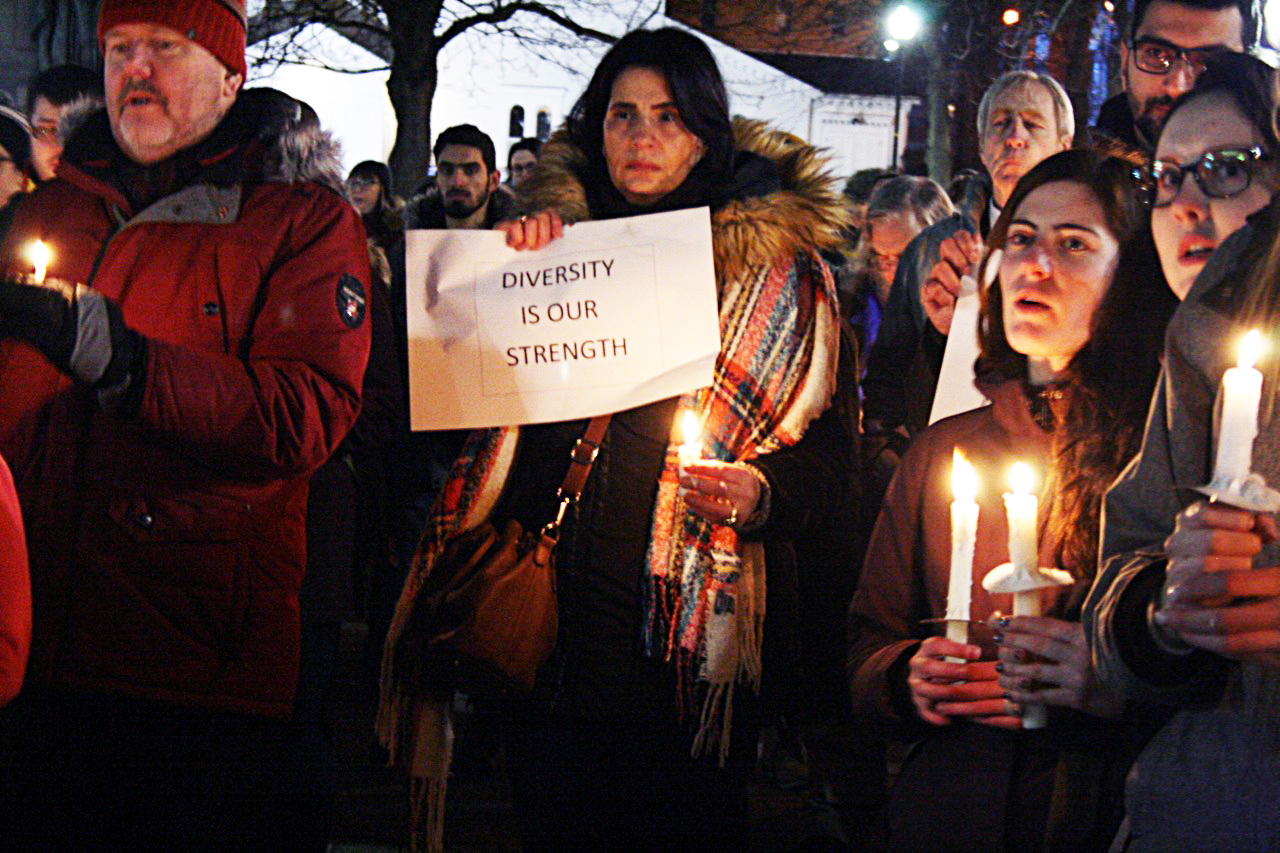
[
  {"x": 1220, "y": 173},
  {"x": 1157, "y": 56}
]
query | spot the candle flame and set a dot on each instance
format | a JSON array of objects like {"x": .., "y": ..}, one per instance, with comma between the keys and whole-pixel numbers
[
  {"x": 1250, "y": 349},
  {"x": 1021, "y": 478},
  {"x": 38, "y": 252},
  {"x": 964, "y": 480},
  {"x": 690, "y": 428}
]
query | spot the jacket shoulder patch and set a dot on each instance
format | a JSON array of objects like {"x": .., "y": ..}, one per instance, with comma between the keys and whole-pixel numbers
[{"x": 351, "y": 301}]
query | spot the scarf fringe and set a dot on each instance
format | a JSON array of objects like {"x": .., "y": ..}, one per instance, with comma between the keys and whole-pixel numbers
[
  {"x": 715, "y": 724},
  {"x": 426, "y": 815}
]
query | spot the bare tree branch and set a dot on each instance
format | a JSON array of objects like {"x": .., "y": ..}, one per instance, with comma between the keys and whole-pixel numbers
[{"x": 505, "y": 12}]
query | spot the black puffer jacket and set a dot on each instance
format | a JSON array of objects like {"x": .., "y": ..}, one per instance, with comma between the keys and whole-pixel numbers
[{"x": 597, "y": 670}]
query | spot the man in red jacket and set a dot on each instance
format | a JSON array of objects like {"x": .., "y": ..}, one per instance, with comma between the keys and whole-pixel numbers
[{"x": 195, "y": 353}]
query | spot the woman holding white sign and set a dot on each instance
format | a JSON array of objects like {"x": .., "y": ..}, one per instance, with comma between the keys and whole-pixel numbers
[
  {"x": 1075, "y": 292},
  {"x": 642, "y": 726}
]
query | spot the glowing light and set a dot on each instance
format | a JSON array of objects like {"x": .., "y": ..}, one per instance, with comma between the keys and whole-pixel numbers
[
  {"x": 903, "y": 23},
  {"x": 690, "y": 450},
  {"x": 38, "y": 253},
  {"x": 964, "y": 480},
  {"x": 1021, "y": 478},
  {"x": 1011, "y": 17},
  {"x": 891, "y": 45},
  {"x": 1250, "y": 349},
  {"x": 690, "y": 429}
]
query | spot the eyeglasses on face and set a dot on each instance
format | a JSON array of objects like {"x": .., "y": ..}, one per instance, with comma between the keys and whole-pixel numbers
[
  {"x": 1220, "y": 173},
  {"x": 1157, "y": 56}
]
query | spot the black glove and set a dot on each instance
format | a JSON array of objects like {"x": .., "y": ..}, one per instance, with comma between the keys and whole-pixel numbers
[
  {"x": 84, "y": 337},
  {"x": 41, "y": 316}
]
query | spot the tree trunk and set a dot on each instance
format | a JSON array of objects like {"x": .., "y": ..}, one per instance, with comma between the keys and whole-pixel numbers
[
  {"x": 411, "y": 97},
  {"x": 411, "y": 26},
  {"x": 938, "y": 96}
]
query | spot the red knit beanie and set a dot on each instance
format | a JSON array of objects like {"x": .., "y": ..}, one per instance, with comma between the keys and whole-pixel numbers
[{"x": 216, "y": 25}]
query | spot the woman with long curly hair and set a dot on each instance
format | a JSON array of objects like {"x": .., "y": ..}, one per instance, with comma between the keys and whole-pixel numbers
[{"x": 1070, "y": 331}]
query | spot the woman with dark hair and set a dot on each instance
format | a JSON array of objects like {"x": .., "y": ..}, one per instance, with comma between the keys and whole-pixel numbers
[
  {"x": 678, "y": 592},
  {"x": 1220, "y": 134},
  {"x": 1186, "y": 609},
  {"x": 369, "y": 185},
  {"x": 1070, "y": 331}
]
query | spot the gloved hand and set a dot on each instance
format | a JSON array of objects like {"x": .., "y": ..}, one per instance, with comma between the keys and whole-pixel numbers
[
  {"x": 42, "y": 316},
  {"x": 83, "y": 335}
]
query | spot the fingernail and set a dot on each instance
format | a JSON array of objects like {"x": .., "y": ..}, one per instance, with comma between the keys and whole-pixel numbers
[
  {"x": 1003, "y": 622},
  {"x": 997, "y": 638},
  {"x": 1000, "y": 667}
]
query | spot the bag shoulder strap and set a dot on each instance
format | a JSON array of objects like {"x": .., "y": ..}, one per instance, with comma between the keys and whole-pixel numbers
[{"x": 582, "y": 457}]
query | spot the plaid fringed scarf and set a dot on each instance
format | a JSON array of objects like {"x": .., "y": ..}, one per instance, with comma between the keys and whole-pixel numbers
[
  {"x": 704, "y": 589},
  {"x": 704, "y": 595},
  {"x": 417, "y": 728}
]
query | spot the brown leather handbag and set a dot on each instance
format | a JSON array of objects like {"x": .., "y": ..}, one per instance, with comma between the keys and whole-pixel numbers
[{"x": 486, "y": 617}]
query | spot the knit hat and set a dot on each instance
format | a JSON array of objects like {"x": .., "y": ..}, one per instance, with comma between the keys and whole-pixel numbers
[
  {"x": 15, "y": 137},
  {"x": 216, "y": 25}
]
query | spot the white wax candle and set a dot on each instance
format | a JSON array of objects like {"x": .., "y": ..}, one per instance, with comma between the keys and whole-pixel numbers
[
  {"x": 1020, "y": 508},
  {"x": 1028, "y": 604},
  {"x": 691, "y": 434},
  {"x": 1241, "y": 393},
  {"x": 964, "y": 536},
  {"x": 38, "y": 252}
]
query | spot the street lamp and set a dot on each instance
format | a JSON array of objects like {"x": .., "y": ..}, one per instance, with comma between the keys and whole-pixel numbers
[{"x": 902, "y": 25}]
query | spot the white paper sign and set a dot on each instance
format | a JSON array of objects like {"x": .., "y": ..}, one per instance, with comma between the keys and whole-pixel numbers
[
  {"x": 613, "y": 315},
  {"x": 956, "y": 392}
]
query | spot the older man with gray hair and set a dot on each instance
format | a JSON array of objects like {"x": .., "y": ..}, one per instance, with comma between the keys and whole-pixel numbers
[{"x": 1024, "y": 117}]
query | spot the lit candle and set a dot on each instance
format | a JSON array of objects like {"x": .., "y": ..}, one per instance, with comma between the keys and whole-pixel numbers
[
  {"x": 1021, "y": 505},
  {"x": 690, "y": 450},
  {"x": 964, "y": 535},
  {"x": 1241, "y": 393},
  {"x": 38, "y": 253},
  {"x": 1024, "y": 554}
]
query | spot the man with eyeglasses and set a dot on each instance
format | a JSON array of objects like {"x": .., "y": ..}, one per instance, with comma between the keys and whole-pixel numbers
[
  {"x": 1162, "y": 57},
  {"x": 50, "y": 95}
]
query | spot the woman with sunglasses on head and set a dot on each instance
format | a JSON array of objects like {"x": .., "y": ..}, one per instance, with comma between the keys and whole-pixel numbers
[
  {"x": 1070, "y": 330},
  {"x": 1186, "y": 610},
  {"x": 1214, "y": 164}
]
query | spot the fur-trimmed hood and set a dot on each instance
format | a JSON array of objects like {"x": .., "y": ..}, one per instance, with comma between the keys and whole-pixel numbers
[
  {"x": 294, "y": 150},
  {"x": 808, "y": 213}
]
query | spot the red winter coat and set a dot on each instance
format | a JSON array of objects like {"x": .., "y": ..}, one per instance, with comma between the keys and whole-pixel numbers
[
  {"x": 15, "y": 591},
  {"x": 167, "y": 549}
]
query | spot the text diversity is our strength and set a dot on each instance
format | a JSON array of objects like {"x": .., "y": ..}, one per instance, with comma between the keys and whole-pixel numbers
[{"x": 538, "y": 312}]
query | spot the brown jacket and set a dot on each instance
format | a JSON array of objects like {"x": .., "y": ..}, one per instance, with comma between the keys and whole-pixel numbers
[
  {"x": 968, "y": 787},
  {"x": 908, "y": 563}
]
